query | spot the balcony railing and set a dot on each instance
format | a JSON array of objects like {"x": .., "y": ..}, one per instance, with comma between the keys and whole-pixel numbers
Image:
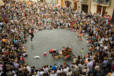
[{"x": 103, "y": 2}]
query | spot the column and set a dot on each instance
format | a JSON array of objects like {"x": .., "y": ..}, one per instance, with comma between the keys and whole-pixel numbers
[
  {"x": 79, "y": 8},
  {"x": 75, "y": 5},
  {"x": 62, "y": 3},
  {"x": 89, "y": 6},
  {"x": 56, "y": 1}
]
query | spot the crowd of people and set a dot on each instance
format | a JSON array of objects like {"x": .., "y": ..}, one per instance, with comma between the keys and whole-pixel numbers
[{"x": 17, "y": 19}]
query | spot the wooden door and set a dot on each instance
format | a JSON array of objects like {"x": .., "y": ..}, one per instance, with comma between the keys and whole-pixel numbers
[
  {"x": 75, "y": 5},
  {"x": 99, "y": 8}
]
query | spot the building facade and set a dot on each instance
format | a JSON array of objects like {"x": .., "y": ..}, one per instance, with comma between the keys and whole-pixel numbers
[
  {"x": 102, "y": 7},
  {"x": 89, "y": 6},
  {"x": 74, "y": 4}
]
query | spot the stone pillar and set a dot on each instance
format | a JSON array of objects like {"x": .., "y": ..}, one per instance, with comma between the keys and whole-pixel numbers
[
  {"x": 89, "y": 6},
  {"x": 75, "y": 5},
  {"x": 62, "y": 3},
  {"x": 79, "y": 8},
  {"x": 57, "y": 2}
]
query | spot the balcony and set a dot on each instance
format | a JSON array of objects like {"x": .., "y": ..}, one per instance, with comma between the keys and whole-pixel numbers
[{"x": 103, "y": 2}]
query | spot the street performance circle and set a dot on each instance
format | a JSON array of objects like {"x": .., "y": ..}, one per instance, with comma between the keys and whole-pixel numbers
[{"x": 53, "y": 39}]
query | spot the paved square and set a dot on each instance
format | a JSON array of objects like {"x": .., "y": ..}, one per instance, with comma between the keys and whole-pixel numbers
[{"x": 52, "y": 39}]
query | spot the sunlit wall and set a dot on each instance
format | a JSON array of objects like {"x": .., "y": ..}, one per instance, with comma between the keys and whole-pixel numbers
[{"x": 109, "y": 9}]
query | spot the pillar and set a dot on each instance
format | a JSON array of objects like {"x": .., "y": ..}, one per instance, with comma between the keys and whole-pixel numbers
[
  {"x": 89, "y": 6},
  {"x": 75, "y": 5},
  {"x": 57, "y": 2},
  {"x": 62, "y": 3},
  {"x": 79, "y": 8}
]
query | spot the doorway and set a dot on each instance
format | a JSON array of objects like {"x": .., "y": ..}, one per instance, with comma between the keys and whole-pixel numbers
[
  {"x": 75, "y": 6},
  {"x": 99, "y": 8},
  {"x": 112, "y": 20},
  {"x": 42, "y": 0},
  {"x": 104, "y": 11},
  {"x": 68, "y": 3},
  {"x": 85, "y": 8}
]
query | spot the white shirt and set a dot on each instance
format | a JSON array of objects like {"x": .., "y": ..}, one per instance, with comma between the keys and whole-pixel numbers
[
  {"x": 55, "y": 74},
  {"x": 28, "y": 68},
  {"x": 90, "y": 65},
  {"x": 69, "y": 73},
  {"x": 66, "y": 69},
  {"x": 46, "y": 69},
  {"x": 59, "y": 71},
  {"x": 41, "y": 73},
  {"x": 105, "y": 47}
]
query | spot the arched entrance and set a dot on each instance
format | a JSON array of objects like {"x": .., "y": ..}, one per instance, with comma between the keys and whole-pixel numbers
[
  {"x": 75, "y": 5},
  {"x": 99, "y": 9},
  {"x": 85, "y": 8},
  {"x": 68, "y": 3}
]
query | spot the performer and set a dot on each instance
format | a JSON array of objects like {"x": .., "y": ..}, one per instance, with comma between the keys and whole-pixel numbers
[
  {"x": 32, "y": 33},
  {"x": 82, "y": 52}
]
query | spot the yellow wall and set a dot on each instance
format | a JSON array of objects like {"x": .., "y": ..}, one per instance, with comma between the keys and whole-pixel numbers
[
  {"x": 57, "y": 2},
  {"x": 62, "y": 3},
  {"x": 109, "y": 9}
]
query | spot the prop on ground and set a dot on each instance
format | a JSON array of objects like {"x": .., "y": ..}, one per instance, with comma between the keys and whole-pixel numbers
[{"x": 65, "y": 53}]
